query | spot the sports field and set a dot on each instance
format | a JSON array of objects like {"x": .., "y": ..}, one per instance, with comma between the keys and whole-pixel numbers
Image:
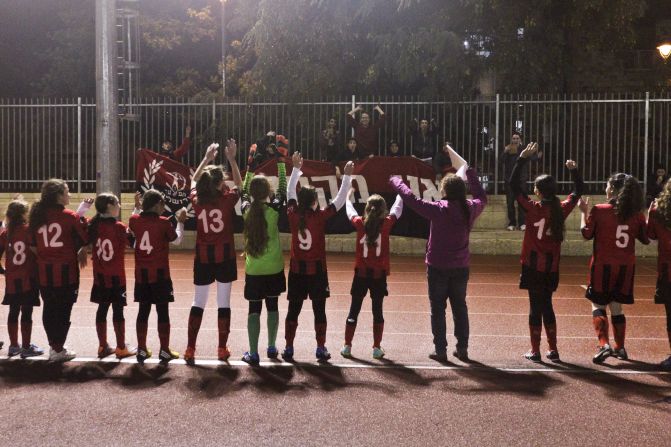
[{"x": 498, "y": 399}]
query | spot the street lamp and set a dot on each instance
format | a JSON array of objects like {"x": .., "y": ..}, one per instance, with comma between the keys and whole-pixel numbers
[{"x": 664, "y": 50}]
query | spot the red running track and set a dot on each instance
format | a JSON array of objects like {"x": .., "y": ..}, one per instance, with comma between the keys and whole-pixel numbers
[{"x": 406, "y": 399}]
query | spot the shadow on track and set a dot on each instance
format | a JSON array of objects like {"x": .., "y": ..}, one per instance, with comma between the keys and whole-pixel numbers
[{"x": 22, "y": 372}]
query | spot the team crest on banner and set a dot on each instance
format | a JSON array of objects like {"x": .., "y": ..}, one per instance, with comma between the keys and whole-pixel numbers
[{"x": 173, "y": 179}]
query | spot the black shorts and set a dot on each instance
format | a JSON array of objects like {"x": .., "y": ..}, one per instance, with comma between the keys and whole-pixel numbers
[
  {"x": 259, "y": 287},
  {"x": 65, "y": 294},
  {"x": 303, "y": 286},
  {"x": 361, "y": 285},
  {"x": 206, "y": 274},
  {"x": 29, "y": 298},
  {"x": 531, "y": 279},
  {"x": 108, "y": 295},
  {"x": 663, "y": 292},
  {"x": 154, "y": 293}
]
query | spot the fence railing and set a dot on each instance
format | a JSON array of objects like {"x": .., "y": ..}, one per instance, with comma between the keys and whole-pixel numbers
[{"x": 603, "y": 133}]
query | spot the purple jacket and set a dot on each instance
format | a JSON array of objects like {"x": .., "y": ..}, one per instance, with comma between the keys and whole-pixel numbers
[{"x": 448, "y": 238}]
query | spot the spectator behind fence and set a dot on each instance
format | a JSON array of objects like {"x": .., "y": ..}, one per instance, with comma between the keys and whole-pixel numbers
[
  {"x": 424, "y": 133},
  {"x": 350, "y": 153},
  {"x": 329, "y": 142},
  {"x": 270, "y": 146},
  {"x": 393, "y": 149},
  {"x": 442, "y": 163},
  {"x": 168, "y": 148},
  {"x": 656, "y": 183},
  {"x": 508, "y": 159},
  {"x": 366, "y": 133}
]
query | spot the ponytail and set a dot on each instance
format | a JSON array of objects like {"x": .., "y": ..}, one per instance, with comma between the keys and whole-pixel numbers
[
  {"x": 256, "y": 228},
  {"x": 207, "y": 187},
  {"x": 16, "y": 216},
  {"x": 628, "y": 195},
  {"x": 375, "y": 213},
  {"x": 547, "y": 187},
  {"x": 101, "y": 203},
  {"x": 307, "y": 195},
  {"x": 51, "y": 189}
]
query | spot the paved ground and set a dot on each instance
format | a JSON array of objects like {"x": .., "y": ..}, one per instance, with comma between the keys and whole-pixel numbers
[{"x": 407, "y": 399}]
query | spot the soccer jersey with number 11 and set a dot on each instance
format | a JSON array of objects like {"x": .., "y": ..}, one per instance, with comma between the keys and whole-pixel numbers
[{"x": 373, "y": 261}]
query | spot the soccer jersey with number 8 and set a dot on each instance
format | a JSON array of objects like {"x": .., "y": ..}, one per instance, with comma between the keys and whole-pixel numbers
[{"x": 20, "y": 265}]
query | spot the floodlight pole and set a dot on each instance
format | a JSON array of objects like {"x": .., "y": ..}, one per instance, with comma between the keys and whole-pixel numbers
[
  {"x": 223, "y": 47},
  {"x": 108, "y": 175}
]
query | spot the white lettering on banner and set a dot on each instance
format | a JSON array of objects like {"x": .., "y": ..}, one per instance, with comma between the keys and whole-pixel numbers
[
  {"x": 413, "y": 182},
  {"x": 333, "y": 188},
  {"x": 362, "y": 187},
  {"x": 430, "y": 193}
]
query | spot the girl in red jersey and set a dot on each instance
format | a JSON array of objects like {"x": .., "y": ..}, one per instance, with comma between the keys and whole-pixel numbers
[
  {"x": 659, "y": 227},
  {"x": 371, "y": 267},
  {"x": 307, "y": 272},
  {"x": 57, "y": 236},
  {"x": 614, "y": 226},
  {"x": 214, "y": 206},
  {"x": 21, "y": 287},
  {"x": 541, "y": 248},
  {"x": 109, "y": 238},
  {"x": 153, "y": 233}
]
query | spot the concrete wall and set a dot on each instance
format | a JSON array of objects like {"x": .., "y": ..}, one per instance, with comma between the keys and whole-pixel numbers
[{"x": 489, "y": 235}]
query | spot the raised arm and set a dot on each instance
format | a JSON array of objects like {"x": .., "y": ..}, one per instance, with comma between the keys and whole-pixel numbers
[
  {"x": 84, "y": 207},
  {"x": 397, "y": 208},
  {"x": 426, "y": 209},
  {"x": 345, "y": 186},
  {"x": 179, "y": 229},
  {"x": 349, "y": 206},
  {"x": 297, "y": 162},
  {"x": 185, "y": 146},
  {"x": 282, "y": 183},
  {"x": 578, "y": 184},
  {"x": 230, "y": 151},
  {"x": 477, "y": 191},
  {"x": 210, "y": 154},
  {"x": 587, "y": 223}
]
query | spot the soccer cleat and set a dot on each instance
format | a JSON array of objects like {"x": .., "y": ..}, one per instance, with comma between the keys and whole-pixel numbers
[
  {"x": 252, "y": 359},
  {"x": 13, "y": 350},
  {"x": 223, "y": 354},
  {"x": 272, "y": 352},
  {"x": 142, "y": 355},
  {"x": 190, "y": 356},
  {"x": 104, "y": 351},
  {"x": 523, "y": 227},
  {"x": 126, "y": 351},
  {"x": 461, "y": 354},
  {"x": 31, "y": 351},
  {"x": 288, "y": 354},
  {"x": 322, "y": 354},
  {"x": 378, "y": 353},
  {"x": 346, "y": 351},
  {"x": 666, "y": 364},
  {"x": 552, "y": 355},
  {"x": 620, "y": 354},
  {"x": 440, "y": 357},
  {"x": 511, "y": 228},
  {"x": 602, "y": 354},
  {"x": 533, "y": 356},
  {"x": 63, "y": 356},
  {"x": 166, "y": 355}
]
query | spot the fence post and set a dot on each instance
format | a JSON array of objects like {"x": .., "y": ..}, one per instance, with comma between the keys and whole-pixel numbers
[
  {"x": 645, "y": 144},
  {"x": 79, "y": 144},
  {"x": 496, "y": 147},
  {"x": 353, "y": 106}
]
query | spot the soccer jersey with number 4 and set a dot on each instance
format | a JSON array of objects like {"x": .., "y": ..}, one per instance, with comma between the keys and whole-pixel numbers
[
  {"x": 20, "y": 265},
  {"x": 372, "y": 262},
  {"x": 108, "y": 248},
  {"x": 214, "y": 231},
  {"x": 153, "y": 234},
  {"x": 57, "y": 243},
  {"x": 308, "y": 248}
]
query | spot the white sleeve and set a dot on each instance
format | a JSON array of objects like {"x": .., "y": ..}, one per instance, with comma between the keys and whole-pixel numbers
[
  {"x": 341, "y": 197},
  {"x": 83, "y": 208},
  {"x": 351, "y": 212},
  {"x": 135, "y": 212},
  {"x": 180, "y": 233},
  {"x": 293, "y": 181},
  {"x": 397, "y": 207}
]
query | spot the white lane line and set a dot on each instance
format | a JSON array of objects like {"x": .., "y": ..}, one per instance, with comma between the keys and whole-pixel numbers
[{"x": 354, "y": 365}]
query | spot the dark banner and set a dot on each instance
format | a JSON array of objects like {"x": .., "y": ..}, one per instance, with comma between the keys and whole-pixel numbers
[{"x": 370, "y": 177}]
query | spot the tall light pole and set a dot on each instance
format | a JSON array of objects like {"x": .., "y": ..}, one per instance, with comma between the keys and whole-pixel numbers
[
  {"x": 223, "y": 47},
  {"x": 108, "y": 174}
]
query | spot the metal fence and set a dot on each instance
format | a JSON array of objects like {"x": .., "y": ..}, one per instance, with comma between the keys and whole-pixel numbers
[{"x": 41, "y": 138}]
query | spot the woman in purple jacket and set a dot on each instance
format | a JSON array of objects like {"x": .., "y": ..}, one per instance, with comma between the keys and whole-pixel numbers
[{"x": 447, "y": 254}]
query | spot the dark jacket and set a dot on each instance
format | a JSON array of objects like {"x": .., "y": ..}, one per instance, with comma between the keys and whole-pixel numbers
[
  {"x": 366, "y": 137},
  {"x": 423, "y": 145}
]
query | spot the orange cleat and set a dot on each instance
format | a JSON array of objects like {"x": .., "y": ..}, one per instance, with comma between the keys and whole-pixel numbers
[
  {"x": 223, "y": 353},
  {"x": 190, "y": 356}
]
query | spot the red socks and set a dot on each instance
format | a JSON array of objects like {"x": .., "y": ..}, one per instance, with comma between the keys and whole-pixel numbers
[
  {"x": 141, "y": 335},
  {"x": 535, "y": 334},
  {"x": 600, "y": 322},
  {"x": 26, "y": 332},
  {"x": 164, "y": 335},
  {"x": 349, "y": 332},
  {"x": 120, "y": 331},
  {"x": 320, "y": 334},
  {"x": 290, "y": 331},
  {"x": 551, "y": 334},
  {"x": 224, "y": 326},
  {"x": 619, "y": 330},
  {"x": 378, "y": 329},
  {"x": 13, "y": 329},
  {"x": 192, "y": 331},
  {"x": 101, "y": 330}
]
